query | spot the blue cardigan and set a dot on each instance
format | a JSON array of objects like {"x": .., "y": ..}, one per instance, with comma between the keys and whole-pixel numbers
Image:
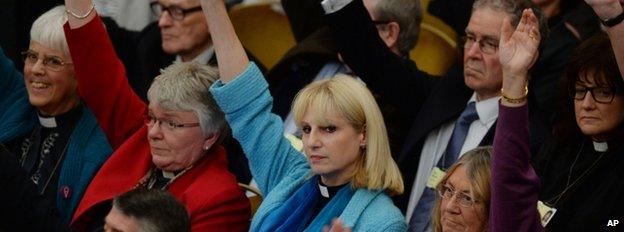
[
  {"x": 278, "y": 168},
  {"x": 88, "y": 147}
]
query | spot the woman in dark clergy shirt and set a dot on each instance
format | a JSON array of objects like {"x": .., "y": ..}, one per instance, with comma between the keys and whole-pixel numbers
[
  {"x": 581, "y": 170},
  {"x": 43, "y": 123}
]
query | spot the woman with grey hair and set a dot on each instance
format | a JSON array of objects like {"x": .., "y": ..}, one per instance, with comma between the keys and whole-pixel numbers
[
  {"x": 171, "y": 143},
  {"x": 54, "y": 137}
]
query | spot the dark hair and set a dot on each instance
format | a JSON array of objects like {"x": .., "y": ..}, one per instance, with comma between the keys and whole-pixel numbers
[
  {"x": 155, "y": 210},
  {"x": 595, "y": 58}
]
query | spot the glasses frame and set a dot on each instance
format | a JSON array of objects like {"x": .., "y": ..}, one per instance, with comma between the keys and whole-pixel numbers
[
  {"x": 455, "y": 193},
  {"x": 45, "y": 60},
  {"x": 170, "y": 125},
  {"x": 178, "y": 14},
  {"x": 614, "y": 91},
  {"x": 481, "y": 44}
]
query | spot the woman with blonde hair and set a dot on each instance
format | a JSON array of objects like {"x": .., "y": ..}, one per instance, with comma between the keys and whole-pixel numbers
[
  {"x": 468, "y": 180},
  {"x": 347, "y": 171}
]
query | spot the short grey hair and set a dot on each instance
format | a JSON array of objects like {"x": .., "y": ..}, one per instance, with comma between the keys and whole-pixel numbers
[
  {"x": 184, "y": 86},
  {"x": 514, "y": 9},
  {"x": 48, "y": 30},
  {"x": 408, "y": 14}
]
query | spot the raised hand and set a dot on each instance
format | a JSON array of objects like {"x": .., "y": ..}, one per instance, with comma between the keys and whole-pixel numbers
[
  {"x": 606, "y": 9},
  {"x": 518, "y": 49}
]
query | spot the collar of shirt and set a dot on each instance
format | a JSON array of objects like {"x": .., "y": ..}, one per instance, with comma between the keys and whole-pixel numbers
[
  {"x": 202, "y": 58},
  {"x": 486, "y": 109}
]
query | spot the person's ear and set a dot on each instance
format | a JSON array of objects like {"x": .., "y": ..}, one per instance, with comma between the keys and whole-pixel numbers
[
  {"x": 362, "y": 138},
  {"x": 210, "y": 140},
  {"x": 389, "y": 33}
]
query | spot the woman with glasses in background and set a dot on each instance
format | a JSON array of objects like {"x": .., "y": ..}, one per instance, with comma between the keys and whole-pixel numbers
[
  {"x": 43, "y": 123},
  {"x": 172, "y": 143},
  {"x": 580, "y": 169}
]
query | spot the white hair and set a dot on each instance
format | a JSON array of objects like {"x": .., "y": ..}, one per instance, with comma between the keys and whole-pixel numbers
[{"x": 48, "y": 29}]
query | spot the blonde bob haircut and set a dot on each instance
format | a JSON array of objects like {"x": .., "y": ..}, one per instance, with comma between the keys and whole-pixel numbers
[
  {"x": 375, "y": 170},
  {"x": 477, "y": 164}
]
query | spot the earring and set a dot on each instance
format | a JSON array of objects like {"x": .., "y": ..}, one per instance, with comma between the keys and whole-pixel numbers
[{"x": 206, "y": 148}]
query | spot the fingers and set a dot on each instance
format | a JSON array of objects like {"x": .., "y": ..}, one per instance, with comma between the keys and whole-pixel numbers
[{"x": 506, "y": 30}]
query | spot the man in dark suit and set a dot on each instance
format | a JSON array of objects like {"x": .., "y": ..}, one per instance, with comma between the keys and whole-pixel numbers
[{"x": 446, "y": 115}]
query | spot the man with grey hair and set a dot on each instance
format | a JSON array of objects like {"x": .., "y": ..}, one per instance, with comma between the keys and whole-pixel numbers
[
  {"x": 315, "y": 56},
  {"x": 446, "y": 115},
  {"x": 147, "y": 210}
]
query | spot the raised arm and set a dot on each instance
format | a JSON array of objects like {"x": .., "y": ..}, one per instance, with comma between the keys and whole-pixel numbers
[
  {"x": 514, "y": 196},
  {"x": 612, "y": 9},
  {"x": 101, "y": 76},
  {"x": 242, "y": 93},
  {"x": 231, "y": 55},
  {"x": 397, "y": 80},
  {"x": 14, "y": 97}
]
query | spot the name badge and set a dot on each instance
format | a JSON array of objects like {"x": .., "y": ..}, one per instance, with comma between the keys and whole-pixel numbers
[
  {"x": 436, "y": 176},
  {"x": 546, "y": 212}
]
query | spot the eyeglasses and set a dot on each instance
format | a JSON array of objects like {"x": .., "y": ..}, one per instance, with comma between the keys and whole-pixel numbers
[
  {"x": 176, "y": 12},
  {"x": 463, "y": 199},
  {"x": 53, "y": 63},
  {"x": 169, "y": 125},
  {"x": 600, "y": 94},
  {"x": 487, "y": 46}
]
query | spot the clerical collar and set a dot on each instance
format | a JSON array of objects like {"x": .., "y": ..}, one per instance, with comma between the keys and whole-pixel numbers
[
  {"x": 601, "y": 146},
  {"x": 329, "y": 191},
  {"x": 168, "y": 175},
  {"x": 68, "y": 118}
]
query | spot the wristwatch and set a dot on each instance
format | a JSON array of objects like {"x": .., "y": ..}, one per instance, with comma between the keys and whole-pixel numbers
[{"x": 613, "y": 21}]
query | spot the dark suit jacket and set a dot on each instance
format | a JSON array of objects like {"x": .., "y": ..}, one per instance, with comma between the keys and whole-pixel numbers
[
  {"x": 298, "y": 68},
  {"x": 424, "y": 102},
  {"x": 143, "y": 58}
]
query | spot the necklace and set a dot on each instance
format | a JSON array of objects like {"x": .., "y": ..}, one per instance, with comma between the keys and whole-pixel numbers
[
  {"x": 568, "y": 186},
  {"x": 150, "y": 177},
  {"x": 46, "y": 149}
]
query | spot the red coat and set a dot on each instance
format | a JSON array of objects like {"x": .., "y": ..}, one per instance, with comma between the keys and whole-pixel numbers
[{"x": 208, "y": 190}]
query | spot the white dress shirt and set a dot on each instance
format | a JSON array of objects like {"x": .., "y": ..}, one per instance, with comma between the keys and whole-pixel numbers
[{"x": 437, "y": 140}]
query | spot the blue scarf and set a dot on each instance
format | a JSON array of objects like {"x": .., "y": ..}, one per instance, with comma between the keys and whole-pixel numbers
[{"x": 294, "y": 214}]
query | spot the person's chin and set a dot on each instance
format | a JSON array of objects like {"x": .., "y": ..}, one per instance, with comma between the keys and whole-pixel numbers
[
  {"x": 170, "y": 48},
  {"x": 451, "y": 226}
]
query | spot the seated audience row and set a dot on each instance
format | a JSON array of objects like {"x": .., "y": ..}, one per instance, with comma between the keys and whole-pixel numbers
[{"x": 346, "y": 170}]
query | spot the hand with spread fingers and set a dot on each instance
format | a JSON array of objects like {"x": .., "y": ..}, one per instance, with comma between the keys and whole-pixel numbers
[{"x": 518, "y": 51}]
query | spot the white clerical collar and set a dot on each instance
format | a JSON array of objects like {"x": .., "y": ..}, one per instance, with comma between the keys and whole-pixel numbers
[
  {"x": 202, "y": 58},
  {"x": 324, "y": 191},
  {"x": 47, "y": 122},
  {"x": 168, "y": 175},
  {"x": 601, "y": 146}
]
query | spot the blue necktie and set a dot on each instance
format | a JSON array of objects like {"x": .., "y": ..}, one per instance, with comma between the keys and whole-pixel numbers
[{"x": 422, "y": 213}]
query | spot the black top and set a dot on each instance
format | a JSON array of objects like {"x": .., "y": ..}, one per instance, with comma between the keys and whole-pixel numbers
[
  {"x": 41, "y": 153},
  {"x": 584, "y": 185},
  {"x": 323, "y": 199},
  {"x": 23, "y": 209}
]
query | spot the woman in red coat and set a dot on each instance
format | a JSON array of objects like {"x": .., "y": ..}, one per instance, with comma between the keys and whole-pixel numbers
[{"x": 171, "y": 144}]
